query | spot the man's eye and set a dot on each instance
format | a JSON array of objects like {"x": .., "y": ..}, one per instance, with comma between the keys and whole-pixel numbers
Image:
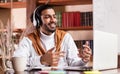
[
  {"x": 55, "y": 16},
  {"x": 47, "y": 17}
]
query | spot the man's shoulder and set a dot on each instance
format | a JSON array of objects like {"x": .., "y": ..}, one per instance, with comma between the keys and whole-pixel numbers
[
  {"x": 60, "y": 31},
  {"x": 63, "y": 33}
]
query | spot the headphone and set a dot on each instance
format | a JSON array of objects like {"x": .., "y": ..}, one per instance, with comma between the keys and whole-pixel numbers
[{"x": 36, "y": 16}]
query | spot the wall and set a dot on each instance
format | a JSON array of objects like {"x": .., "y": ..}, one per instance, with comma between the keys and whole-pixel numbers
[
  {"x": 19, "y": 17},
  {"x": 82, "y": 34},
  {"x": 107, "y": 17}
]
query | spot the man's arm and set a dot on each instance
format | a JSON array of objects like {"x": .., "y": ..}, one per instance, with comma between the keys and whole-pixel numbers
[
  {"x": 72, "y": 54},
  {"x": 25, "y": 49}
]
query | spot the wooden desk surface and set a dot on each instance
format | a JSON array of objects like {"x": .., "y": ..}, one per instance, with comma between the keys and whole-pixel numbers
[{"x": 112, "y": 71}]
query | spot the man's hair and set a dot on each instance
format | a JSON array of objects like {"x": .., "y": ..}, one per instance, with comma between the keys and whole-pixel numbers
[{"x": 36, "y": 15}]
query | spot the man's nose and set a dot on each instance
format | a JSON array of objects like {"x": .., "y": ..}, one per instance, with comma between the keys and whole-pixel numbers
[{"x": 53, "y": 19}]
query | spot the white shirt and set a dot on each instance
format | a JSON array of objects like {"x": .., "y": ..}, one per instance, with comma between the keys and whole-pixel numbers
[{"x": 25, "y": 49}]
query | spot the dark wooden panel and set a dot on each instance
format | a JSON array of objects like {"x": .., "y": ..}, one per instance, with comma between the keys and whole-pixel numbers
[
  {"x": 13, "y": 5},
  {"x": 119, "y": 61},
  {"x": 65, "y": 2}
]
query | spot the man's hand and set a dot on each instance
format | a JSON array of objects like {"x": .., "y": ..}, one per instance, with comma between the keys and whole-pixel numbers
[
  {"x": 86, "y": 52},
  {"x": 51, "y": 58}
]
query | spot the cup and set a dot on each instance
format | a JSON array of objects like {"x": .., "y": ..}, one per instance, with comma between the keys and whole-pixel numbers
[{"x": 19, "y": 63}]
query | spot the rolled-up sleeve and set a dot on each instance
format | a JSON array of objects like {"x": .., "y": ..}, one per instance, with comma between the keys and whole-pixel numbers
[
  {"x": 72, "y": 52},
  {"x": 25, "y": 49}
]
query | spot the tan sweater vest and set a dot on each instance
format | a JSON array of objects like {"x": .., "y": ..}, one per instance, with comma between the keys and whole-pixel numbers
[{"x": 36, "y": 42}]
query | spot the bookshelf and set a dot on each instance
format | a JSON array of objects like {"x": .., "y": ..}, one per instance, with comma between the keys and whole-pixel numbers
[
  {"x": 10, "y": 16},
  {"x": 9, "y": 13},
  {"x": 61, "y": 9},
  {"x": 13, "y": 5},
  {"x": 77, "y": 28},
  {"x": 66, "y": 2},
  {"x": 8, "y": 9},
  {"x": 65, "y": 6}
]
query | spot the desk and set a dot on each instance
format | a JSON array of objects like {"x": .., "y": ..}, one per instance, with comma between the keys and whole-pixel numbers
[{"x": 112, "y": 71}]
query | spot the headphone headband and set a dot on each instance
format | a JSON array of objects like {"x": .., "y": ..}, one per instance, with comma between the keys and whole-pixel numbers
[{"x": 34, "y": 17}]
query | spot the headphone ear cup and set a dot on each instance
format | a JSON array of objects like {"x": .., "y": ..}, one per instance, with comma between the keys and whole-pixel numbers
[
  {"x": 34, "y": 21},
  {"x": 36, "y": 18},
  {"x": 38, "y": 21}
]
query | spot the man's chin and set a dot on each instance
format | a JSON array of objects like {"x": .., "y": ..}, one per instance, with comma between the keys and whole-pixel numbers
[{"x": 53, "y": 30}]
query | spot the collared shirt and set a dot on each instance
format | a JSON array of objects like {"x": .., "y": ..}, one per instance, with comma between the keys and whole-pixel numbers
[{"x": 25, "y": 49}]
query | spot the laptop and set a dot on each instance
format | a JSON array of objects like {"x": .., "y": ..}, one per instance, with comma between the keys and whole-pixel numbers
[{"x": 105, "y": 50}]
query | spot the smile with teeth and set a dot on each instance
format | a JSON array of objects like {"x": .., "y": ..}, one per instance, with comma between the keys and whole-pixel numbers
[{"x": 52, "y": 25}]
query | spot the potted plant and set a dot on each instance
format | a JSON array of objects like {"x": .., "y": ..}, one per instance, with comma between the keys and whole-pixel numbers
[{"x": 6, "y": 45}]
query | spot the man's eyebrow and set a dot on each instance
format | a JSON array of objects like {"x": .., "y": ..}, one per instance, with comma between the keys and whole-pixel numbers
[{"x": 48, "y": 14}]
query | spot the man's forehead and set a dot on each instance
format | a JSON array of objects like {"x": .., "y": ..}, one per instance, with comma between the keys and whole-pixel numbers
[{"x": 48, "y": 11}]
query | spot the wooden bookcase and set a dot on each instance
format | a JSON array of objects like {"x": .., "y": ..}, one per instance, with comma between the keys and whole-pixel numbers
[
  {"x": 31, "y": 4},
  {"x": 60, "y": 6},
  {"x": 7, "y": 10},
  {"x": 63, "y": 3},
  {"x": 9, "y": 13},
  {"x": 7, "y": 7},
  {"x": 13, "y": 5}
]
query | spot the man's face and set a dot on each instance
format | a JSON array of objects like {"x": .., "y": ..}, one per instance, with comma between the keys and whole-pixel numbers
[{"x": 49, "y": 20}]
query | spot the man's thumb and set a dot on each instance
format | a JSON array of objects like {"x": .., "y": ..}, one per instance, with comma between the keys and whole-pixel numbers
[{"x": 50, "y": 50}]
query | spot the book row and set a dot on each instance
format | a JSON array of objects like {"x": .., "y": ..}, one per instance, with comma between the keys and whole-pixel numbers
[{"x": 74, "y": 19}]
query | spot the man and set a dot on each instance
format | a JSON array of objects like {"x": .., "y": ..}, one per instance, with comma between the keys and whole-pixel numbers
[{"x": 48, "y": 46}]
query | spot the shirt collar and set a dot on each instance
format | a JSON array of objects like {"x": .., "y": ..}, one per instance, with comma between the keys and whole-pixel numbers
[{"x": 44, "y": 36}]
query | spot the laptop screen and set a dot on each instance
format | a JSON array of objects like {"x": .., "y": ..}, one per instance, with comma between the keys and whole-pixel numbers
[{"x": 105, "y": 50}]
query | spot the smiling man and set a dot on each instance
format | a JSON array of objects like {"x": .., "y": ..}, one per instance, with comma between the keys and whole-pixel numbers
[{"x": 48, "y": 46}]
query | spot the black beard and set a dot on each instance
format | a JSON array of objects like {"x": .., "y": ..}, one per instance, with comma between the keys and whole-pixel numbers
[
  {"x": 49, "y": 29},
  {"x": 52, "y": 31}
]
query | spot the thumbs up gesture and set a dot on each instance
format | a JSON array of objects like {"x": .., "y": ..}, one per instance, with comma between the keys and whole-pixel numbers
[
  {"x": 86, "y": 52},
  {"x": 51, "y": 58}
]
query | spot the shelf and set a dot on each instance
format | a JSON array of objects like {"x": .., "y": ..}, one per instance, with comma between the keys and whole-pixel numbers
[
  {"x": 18, "y": 30},
  {"x": 13, "y": 5},
  {"x": 7, "y": 57},
  {"x": 65, "y": 2},
  {"x": 77, "y": 28}
]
